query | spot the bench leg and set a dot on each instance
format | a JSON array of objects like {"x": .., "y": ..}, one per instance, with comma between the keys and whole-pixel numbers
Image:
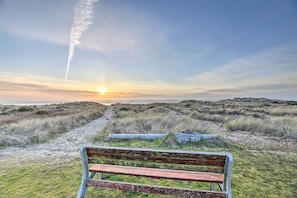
[
  {"x": 83, "y": 186},
  {"x": 100, "y": 176},
  {"x": 221, "y": 187},
  {"x": 213, "y": 186},
  {"x": 83, "y": 189}
]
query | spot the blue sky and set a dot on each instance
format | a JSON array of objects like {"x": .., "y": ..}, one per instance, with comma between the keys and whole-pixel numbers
[{"x": 139, "y": 49}]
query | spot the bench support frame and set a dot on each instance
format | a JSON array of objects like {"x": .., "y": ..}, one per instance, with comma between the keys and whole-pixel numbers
[{"x": 87, "y": 180}]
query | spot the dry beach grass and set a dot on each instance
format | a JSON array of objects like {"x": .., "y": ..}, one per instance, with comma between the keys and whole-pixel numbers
[
  {"x": 256, "y": 123},
  {"x": 260, "y": 133},
  {"x": 22, "y": 125}
]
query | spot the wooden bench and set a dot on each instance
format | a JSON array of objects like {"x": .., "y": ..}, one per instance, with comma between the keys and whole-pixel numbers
[{"x": 213, "y": 168}]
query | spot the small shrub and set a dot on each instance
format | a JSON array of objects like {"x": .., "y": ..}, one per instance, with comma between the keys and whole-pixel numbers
[
  {"x": 124, "y": 109},
  {"x": 2, "y": 144},
  {"x": 25, "y": 109},
  {"x": 42, "y": 112}
]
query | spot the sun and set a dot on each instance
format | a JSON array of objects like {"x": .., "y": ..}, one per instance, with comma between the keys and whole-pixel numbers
[{"x": 102, "y": 90}]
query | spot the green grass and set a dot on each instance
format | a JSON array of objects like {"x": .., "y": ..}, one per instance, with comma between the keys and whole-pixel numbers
[
  {"x": 255, "y": 174},
  {"x": 169, "y": 143},
  {"x": 38, "y": 180},
  {"x": 101, "y": 136},
  {"x": 264, "y": 175}
]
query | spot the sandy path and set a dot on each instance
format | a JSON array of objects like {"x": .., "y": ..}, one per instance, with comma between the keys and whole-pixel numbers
[{"x": 65, "y": 147}]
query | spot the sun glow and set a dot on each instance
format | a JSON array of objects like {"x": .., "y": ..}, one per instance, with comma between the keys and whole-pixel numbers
[{"x": 102, "y": 90}]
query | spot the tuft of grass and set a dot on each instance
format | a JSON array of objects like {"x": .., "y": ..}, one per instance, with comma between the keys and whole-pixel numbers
[
  {"x": 102, "y": 136},
  {"x": 281, "y": 127},
  {"x": 282, "y": 110},
  {"x": 209, "y": 117}
]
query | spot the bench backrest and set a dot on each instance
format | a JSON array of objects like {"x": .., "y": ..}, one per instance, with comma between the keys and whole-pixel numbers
[{"x": 185, "y": 160}]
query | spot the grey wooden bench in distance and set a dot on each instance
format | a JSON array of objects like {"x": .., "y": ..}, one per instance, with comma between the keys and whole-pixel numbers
[{"x": 213, "y": 168}]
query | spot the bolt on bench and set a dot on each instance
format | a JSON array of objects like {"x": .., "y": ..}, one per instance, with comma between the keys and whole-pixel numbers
[{"x": 213, "y": 168}]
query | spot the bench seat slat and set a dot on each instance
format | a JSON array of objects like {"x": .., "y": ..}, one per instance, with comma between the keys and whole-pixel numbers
[
  {"x": 134, "y": 187},
  {"x": 159, "y": 173}
]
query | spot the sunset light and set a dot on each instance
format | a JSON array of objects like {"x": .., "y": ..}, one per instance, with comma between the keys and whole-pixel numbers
[
  {"x": 102, "y": 90},
  {"x": 94, "y": 50}
]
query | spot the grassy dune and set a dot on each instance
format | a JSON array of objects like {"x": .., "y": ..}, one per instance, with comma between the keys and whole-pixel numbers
[
  {"x": 256, "y": 124},
  {"x": 273, "y": 118},
  {"x": 22, "y": 125},
  {"x": 259, "y": 171}
]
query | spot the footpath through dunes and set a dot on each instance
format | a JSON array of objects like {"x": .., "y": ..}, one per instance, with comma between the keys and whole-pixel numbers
[{"x": 53, "y": 151}]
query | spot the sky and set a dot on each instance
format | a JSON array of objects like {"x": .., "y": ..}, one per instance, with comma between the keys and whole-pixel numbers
[{"x": 66, "y": 50}]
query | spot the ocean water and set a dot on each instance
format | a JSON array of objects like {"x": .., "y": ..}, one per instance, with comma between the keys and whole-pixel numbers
[
  {"x": 104, "y": 102},
  {"x": 110, "y": 102}
]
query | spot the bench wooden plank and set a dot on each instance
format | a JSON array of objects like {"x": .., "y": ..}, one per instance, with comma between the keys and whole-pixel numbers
[
  {"x": 189, "y": 158},
  {"x": 159, "y": 173},
  {"x": 133, "y": 187}
]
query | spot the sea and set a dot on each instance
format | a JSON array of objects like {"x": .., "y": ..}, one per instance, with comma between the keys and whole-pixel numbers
[{"x": 104, "y": 102}]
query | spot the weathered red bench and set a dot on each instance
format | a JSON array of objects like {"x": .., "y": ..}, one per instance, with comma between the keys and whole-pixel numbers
[{"x": 213, "y": 168}]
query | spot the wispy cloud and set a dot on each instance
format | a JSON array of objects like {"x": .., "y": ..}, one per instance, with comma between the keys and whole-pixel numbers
[
  {"x": 276, "y": 90},
  {"x": 25, "y": 87},
  {"x": 255, "y": 89},
  {"x": 22, "y": 92},
  {"x": 10, "y": 86},
  {"x": 257, "y": 67}
]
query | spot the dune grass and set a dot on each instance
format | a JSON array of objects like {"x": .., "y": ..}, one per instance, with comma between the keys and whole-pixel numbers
[
  {"x": 154, "y": 118},
  {"x": 22, "y": 125},
  {"x": 281, "y": 127},
  {"x": 255, "y": 115}
]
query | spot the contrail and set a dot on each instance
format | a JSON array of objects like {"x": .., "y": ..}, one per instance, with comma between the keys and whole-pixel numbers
[{"x": 83, "y": 14}]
